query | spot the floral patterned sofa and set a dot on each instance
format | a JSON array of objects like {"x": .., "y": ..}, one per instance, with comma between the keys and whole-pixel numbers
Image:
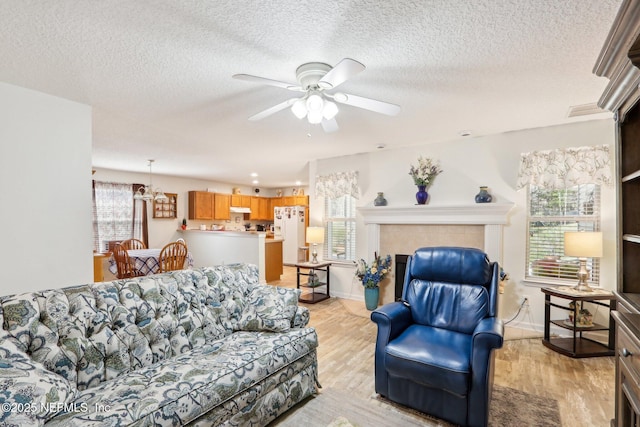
[{"x": 203, "y": 347}]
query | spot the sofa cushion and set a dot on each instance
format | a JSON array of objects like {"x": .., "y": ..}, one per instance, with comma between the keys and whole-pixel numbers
[
  {"x": 431, "y": 356},
  {"x": 269, "y": 308},
  {"x": 29, "y": 393},
  {"x": 178, "y": 390}
]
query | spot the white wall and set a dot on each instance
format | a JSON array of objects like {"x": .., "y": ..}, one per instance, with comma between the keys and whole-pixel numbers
[
  {"x": 45, "y": 182},
  {"x": 468, "y": 164}
]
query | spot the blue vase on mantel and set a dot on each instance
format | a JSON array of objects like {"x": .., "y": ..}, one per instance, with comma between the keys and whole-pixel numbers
[
  {"x": 483, "y": 196},
  {"x": 422, "y": 195}
]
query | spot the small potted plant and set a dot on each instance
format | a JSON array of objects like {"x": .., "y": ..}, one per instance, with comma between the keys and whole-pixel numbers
[{"x": 184, "y": 224}]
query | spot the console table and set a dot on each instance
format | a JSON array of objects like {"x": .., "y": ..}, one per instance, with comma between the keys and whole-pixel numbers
[
  {"x": 578, "y": 345},
  {"x": 309, "y": 270}
]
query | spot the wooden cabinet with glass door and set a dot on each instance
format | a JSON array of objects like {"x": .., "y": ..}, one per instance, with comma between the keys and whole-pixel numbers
[{"x": 166, "y": 208}]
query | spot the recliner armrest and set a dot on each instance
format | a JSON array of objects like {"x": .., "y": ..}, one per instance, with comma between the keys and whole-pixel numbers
[
  {"x": 489, "y": 333},
  {"x": 391, "y": 319}
]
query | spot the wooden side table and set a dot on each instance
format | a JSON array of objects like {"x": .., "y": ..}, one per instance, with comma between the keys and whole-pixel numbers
[
  {"x": 314, "y": 296},
  {"x": 579, "y": 345}
]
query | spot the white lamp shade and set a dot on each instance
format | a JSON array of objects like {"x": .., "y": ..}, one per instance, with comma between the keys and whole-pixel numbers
[
  {"x": 584, "y": 244},
  {"x": 315, "y": 103},
  {"x": 315, "y": 234},
  {"x": 330, "y": 110},
  {"x": 299, "y": 108}
]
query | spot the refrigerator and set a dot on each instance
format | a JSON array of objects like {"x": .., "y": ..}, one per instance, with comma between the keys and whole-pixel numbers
[{"x": 288, "y": 224}]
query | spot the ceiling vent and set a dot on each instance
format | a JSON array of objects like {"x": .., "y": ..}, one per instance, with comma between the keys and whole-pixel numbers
[{"x": 585, "y": 110}]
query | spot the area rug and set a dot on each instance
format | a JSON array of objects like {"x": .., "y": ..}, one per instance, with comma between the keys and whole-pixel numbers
[{"x": 510, "y": 407}]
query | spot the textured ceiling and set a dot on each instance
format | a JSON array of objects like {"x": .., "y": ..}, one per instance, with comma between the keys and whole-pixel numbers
[{"x": 158, "y": 74}]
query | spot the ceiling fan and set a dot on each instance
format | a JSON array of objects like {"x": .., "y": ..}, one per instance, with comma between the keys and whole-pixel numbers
[{"x": 317, "y": 80}]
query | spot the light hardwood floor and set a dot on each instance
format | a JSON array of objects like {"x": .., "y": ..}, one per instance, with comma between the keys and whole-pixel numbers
[{"x": 584, "y": 388}]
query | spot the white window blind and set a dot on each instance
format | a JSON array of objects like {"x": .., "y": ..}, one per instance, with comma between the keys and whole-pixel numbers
[
  {"x": 551, "y": 212},
  {"x": 340, "y": 228}
]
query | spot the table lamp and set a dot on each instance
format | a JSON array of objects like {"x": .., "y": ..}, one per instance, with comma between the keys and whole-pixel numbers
[
  {"x": 583, "y": 244},
  {"x": 315, "y": 235}
]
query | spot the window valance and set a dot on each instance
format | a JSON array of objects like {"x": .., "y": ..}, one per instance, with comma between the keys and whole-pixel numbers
[
  {"x": 338, "y": 184},
  {"x": 565, "y": 167}
]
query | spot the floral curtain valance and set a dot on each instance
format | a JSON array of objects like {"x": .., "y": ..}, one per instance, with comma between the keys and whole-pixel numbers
[
  {"x": 564, "y": 168},
  {"x": 338, "y": 184}
]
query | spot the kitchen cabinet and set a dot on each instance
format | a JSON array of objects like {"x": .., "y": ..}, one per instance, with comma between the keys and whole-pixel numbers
[
  {"x": 255, "y": 209},
  {"x": 263, "y": 206},
  {"x": 201, "y": 205},
  {"x": 273, "y": 259},
  {"x": 259, "y": 208},
  {"x": 240, "y": 201},
  {"x": 221, "y": 204},
  {"x": 294, "y": 201}
]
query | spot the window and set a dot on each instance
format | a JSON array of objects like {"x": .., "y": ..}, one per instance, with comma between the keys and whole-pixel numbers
[
  {"x": 116, "y": 215},
  {"x": 340, "y": 228},
  {"x": 552, "y": 212}
]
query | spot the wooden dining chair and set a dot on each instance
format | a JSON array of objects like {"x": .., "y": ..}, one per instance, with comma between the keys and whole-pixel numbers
[
  {"x": 172, "y": 256},
  {"x": 132, "y": 244},
  {"x": 125, "y": 265}
]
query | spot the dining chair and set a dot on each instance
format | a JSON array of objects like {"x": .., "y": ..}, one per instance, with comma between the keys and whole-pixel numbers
[
  {"x": 180, "y": 239},
  {"x": 125, "y": 265},
  {"x": 172, "y": 257},
  {"x": 132, "y": 244}
]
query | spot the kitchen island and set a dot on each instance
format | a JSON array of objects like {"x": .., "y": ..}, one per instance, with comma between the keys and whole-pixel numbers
[{"x": 229, "y": 247}]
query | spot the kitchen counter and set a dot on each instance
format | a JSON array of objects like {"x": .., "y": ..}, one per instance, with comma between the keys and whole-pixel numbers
[{"x": 211, "y": 248}]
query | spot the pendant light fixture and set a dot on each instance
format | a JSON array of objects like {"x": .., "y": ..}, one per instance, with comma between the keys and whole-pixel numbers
[{"x": 147, "y": 193}]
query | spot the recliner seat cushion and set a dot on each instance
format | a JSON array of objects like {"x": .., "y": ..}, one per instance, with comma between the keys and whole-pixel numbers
[{"x": 434, "y": 357}]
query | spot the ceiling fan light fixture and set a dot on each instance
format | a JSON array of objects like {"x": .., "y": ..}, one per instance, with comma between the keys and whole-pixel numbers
[
  {"x": 299, "y": 108},
  {"x": 315, "y": 103},
  {"x": 314, "y": 117},
  {"x": 330, "y": 110}
]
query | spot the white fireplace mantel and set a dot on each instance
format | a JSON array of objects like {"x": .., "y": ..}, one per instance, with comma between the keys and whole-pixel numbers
[{"x": 492, "y": 215}]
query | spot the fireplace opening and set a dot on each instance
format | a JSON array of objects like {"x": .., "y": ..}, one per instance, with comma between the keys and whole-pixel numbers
[{"x": 401, "y": 266}]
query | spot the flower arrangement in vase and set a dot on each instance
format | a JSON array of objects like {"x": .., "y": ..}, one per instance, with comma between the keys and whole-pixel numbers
[
  {"x": 371, "y": 275},
  {"x": 423, "y": 176}
]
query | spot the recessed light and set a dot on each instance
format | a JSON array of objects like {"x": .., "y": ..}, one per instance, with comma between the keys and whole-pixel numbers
[
  {"x": 298, "y": 183},
  {"x": 255, "y": 181},
  {"x": 465, "y": 132},
  {"x": 381, "y": 146},
  {"x": 254, "y": 174}
]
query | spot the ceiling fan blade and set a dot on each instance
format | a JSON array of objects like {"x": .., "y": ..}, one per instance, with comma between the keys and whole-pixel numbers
[
  {"x": 367, "y": 103},
  {"x": 270, "y": 82},
  {"x": 272, "y": 110},
  {"x": 344, "y": 70},
  {"x": 329, "y": 125}
]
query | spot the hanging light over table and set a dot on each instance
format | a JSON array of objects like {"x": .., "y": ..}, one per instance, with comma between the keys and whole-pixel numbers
[{"x": 147, "y": 193}]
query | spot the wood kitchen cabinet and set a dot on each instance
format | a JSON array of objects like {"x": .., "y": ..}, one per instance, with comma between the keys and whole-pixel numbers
[
  {"x": 255, "y": 209},
  {"x": 260, "y": 208},
  {"x": 240, "y": 201},
  {"x": 201, "y": 205},
  {"x": 221, "y": 204}
]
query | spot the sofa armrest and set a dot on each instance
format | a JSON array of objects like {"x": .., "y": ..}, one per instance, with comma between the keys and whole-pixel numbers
[{"x": 301, "y": 318}]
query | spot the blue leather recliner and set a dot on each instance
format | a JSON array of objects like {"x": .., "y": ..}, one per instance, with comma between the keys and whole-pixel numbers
[{"x": 435, "y": 348}]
